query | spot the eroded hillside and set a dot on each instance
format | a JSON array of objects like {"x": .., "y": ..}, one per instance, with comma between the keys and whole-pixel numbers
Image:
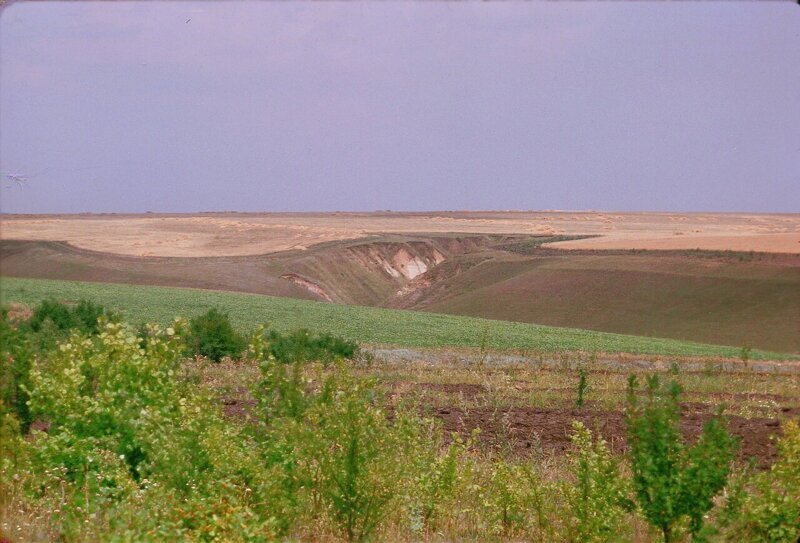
[{"x": 741, "y": 299}]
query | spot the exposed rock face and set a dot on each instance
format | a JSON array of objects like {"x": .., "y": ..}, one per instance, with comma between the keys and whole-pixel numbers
[
  {"x": 406, "y": 261},
  {"x": 376, "y": 272},
  {"x": 409, "y": 265},
  {"x": 398, "y": 260}
]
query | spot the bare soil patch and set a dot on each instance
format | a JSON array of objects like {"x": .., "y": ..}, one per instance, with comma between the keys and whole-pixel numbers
[
  {"x": 534, "y": 431},
  {"x": 228, "y": 234},
  {"x": 767, "y": 243},
  {"x": 523, "y": 431}
]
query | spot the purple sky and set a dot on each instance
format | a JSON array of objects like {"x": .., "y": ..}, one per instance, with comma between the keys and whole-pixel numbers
[{"x": 408, "y": 106}]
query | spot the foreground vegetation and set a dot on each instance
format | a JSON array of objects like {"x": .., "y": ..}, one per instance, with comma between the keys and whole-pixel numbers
[
  {"x": 130, "y": 442},
  {"x": 362, "y": 324}
]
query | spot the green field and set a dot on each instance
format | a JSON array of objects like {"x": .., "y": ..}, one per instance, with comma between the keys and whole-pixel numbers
[{"x": 363, "y": 324}]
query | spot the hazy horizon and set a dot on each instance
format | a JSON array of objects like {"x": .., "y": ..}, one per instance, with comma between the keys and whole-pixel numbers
[
  {"x": 412, "y": 107},
  {"x": 399, "y": 212}
]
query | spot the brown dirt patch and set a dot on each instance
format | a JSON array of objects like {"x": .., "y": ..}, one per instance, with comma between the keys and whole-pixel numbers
[
  {"x": 768, "y": 243},
  {"x": 18, "y": 312},
  {"x": 529, "y": 430},
  {"x": 238, "y": 408}
]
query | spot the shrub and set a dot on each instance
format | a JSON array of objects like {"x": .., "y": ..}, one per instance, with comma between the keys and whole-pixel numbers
[
  {"x": 106, "y": 388},
  {"x": 513, "y": 498},
  {"x": 15, "y": 364},
  {"x": 770, "y": 512},
  {"x": 302, "y": 346},
  {"x": 358, "y": 464},
  {"x": 86, "y": 316},
  {"x": 504, "y": 498},
  {"x": 22, "y": 341},
  {"x": 281, "y": 391},
  {"x": 212, "y": 335},
  {"x": 136, "y": 452},
  {"x": 672, "y": 481},
  {"x": 598, "y": 495},
  {"x": 59, "y": 314},
  {"x": 435, "y": 472},
  {"x": 339, "y": 452}
]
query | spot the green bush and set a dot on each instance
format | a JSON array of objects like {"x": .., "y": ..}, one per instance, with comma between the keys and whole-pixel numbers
[
  {"x": 340, "y": 453},
  {"x": 59, "y": 314},
  {"x": 87, "y": 316},
  {"x": 84, "y": 316},
  {"x": 303, "y": 346},
  {"x": 770, "y": 512},
  {"x": 436, "y": 473},
  {"x": 360, "y": 462},
  {"x": 21, "y": 342},
  {"x": 16, "y": 354},
  {"x": 135, "y": 453},
  {"x": 674, "y": 482},
  {"x": 509, "y": 493},
  {"x": 598, "y": 495},
  {"x": 106, "y": 388},
  {"x": 212, "y": 335}
]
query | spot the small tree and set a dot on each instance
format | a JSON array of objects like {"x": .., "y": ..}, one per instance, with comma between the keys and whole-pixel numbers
[
  {"x": 673, "y": 481},
  {"x": 212, "y": 335},
  {"x": 354, "y": 473}
]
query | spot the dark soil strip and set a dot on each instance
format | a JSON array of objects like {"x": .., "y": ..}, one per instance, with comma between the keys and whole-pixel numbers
[{"x": 531, "y": 431}]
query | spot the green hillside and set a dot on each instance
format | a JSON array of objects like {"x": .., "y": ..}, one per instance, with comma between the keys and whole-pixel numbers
[{"x": 364, "y": 324}]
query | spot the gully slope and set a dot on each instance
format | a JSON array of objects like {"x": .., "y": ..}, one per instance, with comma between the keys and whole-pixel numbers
[{"x": 740, "y": 299}]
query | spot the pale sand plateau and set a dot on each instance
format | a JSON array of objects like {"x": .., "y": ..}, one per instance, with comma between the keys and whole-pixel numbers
[{"x": 230, "y": 234}]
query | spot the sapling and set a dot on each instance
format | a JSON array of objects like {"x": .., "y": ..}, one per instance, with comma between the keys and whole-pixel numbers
[
  {"x": 583, "y": 387},
  {"x": 744, "y": 354},
  {"x": 598, "y": 495},
  {"x": 484, "y": 345},
  {"x": 674, "y": 482}
]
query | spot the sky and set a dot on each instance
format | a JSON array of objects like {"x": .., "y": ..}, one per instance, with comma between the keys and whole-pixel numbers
[{"x": 359, "y": 106}]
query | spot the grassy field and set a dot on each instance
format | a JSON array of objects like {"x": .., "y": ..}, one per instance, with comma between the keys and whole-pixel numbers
[{"x": 363, "y": 324}]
